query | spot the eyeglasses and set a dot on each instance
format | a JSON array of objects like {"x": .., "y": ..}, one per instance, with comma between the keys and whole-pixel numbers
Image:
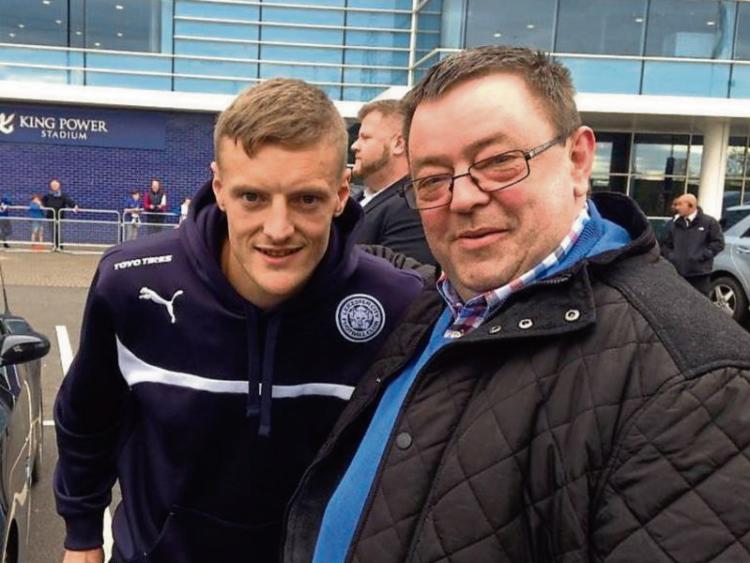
[{"x": 489, "y": 174}]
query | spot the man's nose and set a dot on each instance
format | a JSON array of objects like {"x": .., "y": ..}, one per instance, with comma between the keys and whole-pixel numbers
[
  {"x": 467, "y": 195},
  {"x": 278, "y": 225}
]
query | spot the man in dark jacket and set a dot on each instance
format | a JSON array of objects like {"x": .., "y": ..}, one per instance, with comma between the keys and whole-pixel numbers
[
  {"x": 691, "y": 242},
  {"x": 55, "y": 201},
  {"x": 380, "y": 164},
  {"x": 214, "y": 358},
  {"x": 550, "y": 399}
]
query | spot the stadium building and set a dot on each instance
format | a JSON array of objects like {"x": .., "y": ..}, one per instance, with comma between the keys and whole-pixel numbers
[{"x": 106, "y": 94}]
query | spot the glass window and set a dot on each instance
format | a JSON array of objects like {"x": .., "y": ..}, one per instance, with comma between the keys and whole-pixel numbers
[
  {"x": 380, "y": 4},
  {"x": 216, "y": 48},
  {"x": 526, "y": 24},
  {"x": 660, "y": 155},
  {"x": 686, "y": 79},
  {"x": 197, "y": 9},
  {"x": 299, "y": 54},
  {"x": 691, "y": 28},
  {"x": 35, "y": 23},
  {"x": 736, "y": 155},
  {"x": 302, "y": 35},
  {"x": 300, "y": 15},
  {"x": 375, "y": 39},
  {"x": 742, "y": 41},
  {"x": 732, "y": 196},
  {"x": 740, "y": 85},
  {"x": 696, "y": 156},
  {"x": 610, "y": 184},
  {"x": 612, "y": 153},
  {"x": 605, "y": 76},
  {"x": 134, "y": 25},
  {"x": 370, "y": 57},
  {"x": 369, "y": 19},
  {"x": 655, "y": 196},
  {"x": 612, "y": 27}
]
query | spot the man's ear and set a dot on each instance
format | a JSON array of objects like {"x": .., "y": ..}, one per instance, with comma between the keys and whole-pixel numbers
[
  {"x": 216, "y": 185},
  {"x": 398, "y": 146},
  {"x": 582, "y": 150},
  {"x": 342, "y": 194}
]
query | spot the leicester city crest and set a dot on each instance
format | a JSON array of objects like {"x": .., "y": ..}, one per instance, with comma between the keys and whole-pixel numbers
[{"x": 360, "y": 317}]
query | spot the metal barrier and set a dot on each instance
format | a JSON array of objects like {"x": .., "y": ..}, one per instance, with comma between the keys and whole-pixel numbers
[
  {"x": 77, "y": 231},
  {"x": 20, "y": 231},
  {"x": 87, "y": 230}
]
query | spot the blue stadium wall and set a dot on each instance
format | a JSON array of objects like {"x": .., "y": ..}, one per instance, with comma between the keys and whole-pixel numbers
[{"x": 102, "y": 177}]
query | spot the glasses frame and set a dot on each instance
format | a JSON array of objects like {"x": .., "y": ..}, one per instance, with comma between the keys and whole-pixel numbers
[{"x": 527, "y": 155}]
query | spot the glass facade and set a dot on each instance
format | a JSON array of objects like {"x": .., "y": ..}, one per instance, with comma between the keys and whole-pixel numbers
[{"x": 355, "y": 49}]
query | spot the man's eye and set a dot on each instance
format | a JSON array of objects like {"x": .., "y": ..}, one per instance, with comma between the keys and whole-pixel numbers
[
  {"x": 308, "y": 199},
  {"x": 250, "y": 197}
]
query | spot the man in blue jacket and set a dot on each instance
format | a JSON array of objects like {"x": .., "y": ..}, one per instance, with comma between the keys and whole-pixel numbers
[{"x": 215, "y": 358}]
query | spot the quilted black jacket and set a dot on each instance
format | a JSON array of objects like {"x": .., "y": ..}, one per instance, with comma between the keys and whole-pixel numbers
[{"x": 603, "y": 415}]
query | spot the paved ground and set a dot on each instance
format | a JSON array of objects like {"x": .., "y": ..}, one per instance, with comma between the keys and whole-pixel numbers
[{"x": 49, "y": 290}]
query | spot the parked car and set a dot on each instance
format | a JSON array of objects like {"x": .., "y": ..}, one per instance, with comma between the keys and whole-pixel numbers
[
  {"x": 21, "y": 350},
  {"x": 730, "y": 278},
  {"x": 733, "y": 215}
]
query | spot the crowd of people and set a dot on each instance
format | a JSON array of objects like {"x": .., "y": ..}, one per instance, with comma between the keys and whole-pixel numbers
[
  {"x": 266, "y": 388},
  {"x": 44, "y": 213}
]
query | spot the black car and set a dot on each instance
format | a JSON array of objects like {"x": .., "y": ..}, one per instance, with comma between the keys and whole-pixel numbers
[{"x": 20, "y": 429}]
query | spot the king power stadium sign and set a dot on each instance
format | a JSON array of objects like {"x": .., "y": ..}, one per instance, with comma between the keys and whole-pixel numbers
[{"x": 81, "y": 127}]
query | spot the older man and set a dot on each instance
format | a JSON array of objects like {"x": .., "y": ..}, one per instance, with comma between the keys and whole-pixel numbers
[
  {"x": 691, "y": 242},
  {"x": 214, "y": 358},
  {"x": 380, "y": 164},
  {"x": 544, "y": 402}
]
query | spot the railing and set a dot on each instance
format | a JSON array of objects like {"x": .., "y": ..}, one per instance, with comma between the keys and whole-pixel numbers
[{"x": 76, "y": 231}]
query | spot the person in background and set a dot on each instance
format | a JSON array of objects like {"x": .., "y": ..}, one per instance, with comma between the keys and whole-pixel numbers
[
  {"x": 132, "y": 209},
  {"x": 692, "y": 241},
  {"x": 380, "y": 164},
  {"x": 184, "y": 208},
  {"x": 6, "y": 227},
  {"x": 215, "y": 358},
  {"x": 55, "y": 200},
  {"x": 556, "y": 395},
  {"x": 154, "y": 205},
  {"x": 37, "y": 215}
]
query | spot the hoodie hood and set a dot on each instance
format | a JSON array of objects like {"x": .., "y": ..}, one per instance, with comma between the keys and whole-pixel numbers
[{"x": 204, "y": 232}]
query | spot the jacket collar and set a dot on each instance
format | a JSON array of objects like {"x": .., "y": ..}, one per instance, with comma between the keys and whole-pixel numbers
[
  {"x": 387, "y": 194},
  {"x": 562, "y": 304}
]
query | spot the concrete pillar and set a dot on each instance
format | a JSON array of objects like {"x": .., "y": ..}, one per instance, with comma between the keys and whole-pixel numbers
[{"x": 713, "y": 166}]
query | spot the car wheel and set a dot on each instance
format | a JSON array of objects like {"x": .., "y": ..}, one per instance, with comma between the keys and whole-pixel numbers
[{"x": 727, "y": 294}]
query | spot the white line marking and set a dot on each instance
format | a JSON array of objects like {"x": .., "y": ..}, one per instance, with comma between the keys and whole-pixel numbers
[
  {"x": 63, "y": 343},
  {"x": 108, "y": 542},
  {"x": 48, "y": 422}
]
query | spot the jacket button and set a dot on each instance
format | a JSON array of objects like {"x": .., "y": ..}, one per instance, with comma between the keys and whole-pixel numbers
[
  {"x": 494, "y": 329},
  {"x": 403, "y": 440},
  {"x": 572, "y": 315},
  {"x": 523, "y": 324}
]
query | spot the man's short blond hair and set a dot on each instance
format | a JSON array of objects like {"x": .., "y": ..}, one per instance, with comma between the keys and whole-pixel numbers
[
  {"x": 285, "y": 112},
  {"x": 386, "y": 108}
]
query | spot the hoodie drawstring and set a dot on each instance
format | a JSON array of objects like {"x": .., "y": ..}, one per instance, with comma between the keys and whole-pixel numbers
[
  {"x": 266, "y": 390},
  {"x": 253, "y": 364}
]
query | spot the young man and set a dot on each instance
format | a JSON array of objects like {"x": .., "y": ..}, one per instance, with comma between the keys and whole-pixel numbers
[
  {"x": 549, "y": 400},
  {"x": 216, "y": 357},
  {"x": 155, "y": 206},
  {"x": 380, "y": 164}
]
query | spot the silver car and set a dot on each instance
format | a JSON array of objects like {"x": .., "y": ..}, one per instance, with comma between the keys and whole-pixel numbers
[{"x": 730, "y": 278}]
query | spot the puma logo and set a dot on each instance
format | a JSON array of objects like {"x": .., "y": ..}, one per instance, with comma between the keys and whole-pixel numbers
[
  {"x": 6, "y": 123},
  {"x": 151, "y": 295}
]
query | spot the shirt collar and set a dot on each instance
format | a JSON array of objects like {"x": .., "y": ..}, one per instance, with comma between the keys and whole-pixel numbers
[{"x": 470, "y": 315}]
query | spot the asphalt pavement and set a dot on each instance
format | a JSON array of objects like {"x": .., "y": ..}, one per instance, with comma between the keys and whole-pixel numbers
[{"x": 49, "y": 290}]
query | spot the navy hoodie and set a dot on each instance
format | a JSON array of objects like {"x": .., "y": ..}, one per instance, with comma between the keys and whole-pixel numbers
[{"x": 207, "y": 409}]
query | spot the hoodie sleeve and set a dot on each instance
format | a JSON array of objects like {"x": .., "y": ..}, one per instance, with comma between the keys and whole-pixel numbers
[{"x": 89, "y": 415}]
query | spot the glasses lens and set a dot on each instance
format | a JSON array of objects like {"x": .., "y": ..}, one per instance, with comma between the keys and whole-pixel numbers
[
  {"x": 431, "y": 191},
  {"x": 500, "y": 170}
]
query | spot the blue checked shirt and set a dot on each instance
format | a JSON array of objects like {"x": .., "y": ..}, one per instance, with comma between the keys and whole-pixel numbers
[{"x": 470, "y": 315}]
